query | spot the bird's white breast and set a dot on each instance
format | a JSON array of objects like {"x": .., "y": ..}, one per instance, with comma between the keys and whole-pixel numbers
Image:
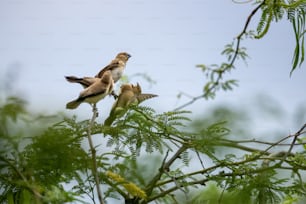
[{"x": 116, "y": 74}]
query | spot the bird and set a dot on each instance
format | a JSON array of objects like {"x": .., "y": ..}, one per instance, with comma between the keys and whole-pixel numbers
[
  {"x": 129, "y": 94},
  {"x": 95, "y": 92},
  {"x": 116, "y": 66}
]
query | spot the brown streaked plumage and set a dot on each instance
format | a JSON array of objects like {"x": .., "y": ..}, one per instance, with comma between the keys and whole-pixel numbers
[{"x": 95, "y": 92}]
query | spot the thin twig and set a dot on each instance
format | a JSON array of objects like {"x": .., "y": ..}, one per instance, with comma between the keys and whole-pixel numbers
[
  {"x": 263, "y": 142},
  {"x": 238, "y": 40},
  {"x": 91, "y": 194},
  {"x": 295, "y": 136},
  {"x": 194, "y": 99},
  {"x": 199, "y": 157},
  {"x": 157, "y": 177},
  {"x": 165, "y": 167},
  {"x": 222, "y": 194},
  {"x": 232, "y": 144},
  {"x": 93, "y": 154},
  {"x": 285, "y": 138}
]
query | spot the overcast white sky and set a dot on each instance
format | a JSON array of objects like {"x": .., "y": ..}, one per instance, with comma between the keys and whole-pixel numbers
[{"x": 44, "y": 40}]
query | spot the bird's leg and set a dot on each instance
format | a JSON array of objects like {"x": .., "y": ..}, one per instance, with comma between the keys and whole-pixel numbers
[
  {"x": 95, "y": 110},
  {"x": 114, "y": 95}
]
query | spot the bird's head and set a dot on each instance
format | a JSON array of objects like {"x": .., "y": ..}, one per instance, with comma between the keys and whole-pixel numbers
[
  {"x": 136, "y": 89},
  {"x": 123, "y": 56},
  {"x": 126, "y": 87}
]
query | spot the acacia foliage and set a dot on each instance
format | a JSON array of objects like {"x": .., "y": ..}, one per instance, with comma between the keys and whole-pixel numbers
[{"x": 52, "y": 164}]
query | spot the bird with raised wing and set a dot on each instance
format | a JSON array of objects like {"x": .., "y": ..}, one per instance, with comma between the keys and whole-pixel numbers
[{"x": 129, "y": 94}]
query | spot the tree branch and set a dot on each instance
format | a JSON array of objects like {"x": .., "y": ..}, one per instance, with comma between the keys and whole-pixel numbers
[
  {"x": 165, "y": 167},
  {"x": 231, "y": 64},
  {"x": 235, "y": 164},
  {"x": 211, "y": 178},
  {"x": 295, "y": 136},
  {"x": 93, "y": 153},
  {"x": 263, "y": 142}
]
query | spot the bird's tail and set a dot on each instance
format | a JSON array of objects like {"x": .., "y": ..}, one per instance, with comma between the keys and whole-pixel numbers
[
  {"x": 143, "y": 97},
  {"x": 73, "y": 79},
  {"x": 73, "y": 104},
  {"x": 85, "y": 82}
]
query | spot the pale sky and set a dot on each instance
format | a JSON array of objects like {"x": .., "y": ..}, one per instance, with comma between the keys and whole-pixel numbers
[
  {"x": 45, "y": 40},
  {"x": 42, "y": 41}
]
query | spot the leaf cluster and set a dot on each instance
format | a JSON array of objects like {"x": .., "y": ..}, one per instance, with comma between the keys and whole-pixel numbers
[
  {"x": 274, "y": 10},
  {"x": 33, "y": 167},
  {"x": 271, "y": 10}
]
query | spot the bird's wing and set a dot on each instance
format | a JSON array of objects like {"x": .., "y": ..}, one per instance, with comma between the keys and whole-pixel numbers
[
  {"x": 114, "y": 64},
  {"x": 95, "y": 89},
  {"x": 85, "y": 81},
  {"x": 92, "y": 93}
]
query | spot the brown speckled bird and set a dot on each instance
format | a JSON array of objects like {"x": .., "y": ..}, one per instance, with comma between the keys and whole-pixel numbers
[{"x": 95, "y": 92}]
